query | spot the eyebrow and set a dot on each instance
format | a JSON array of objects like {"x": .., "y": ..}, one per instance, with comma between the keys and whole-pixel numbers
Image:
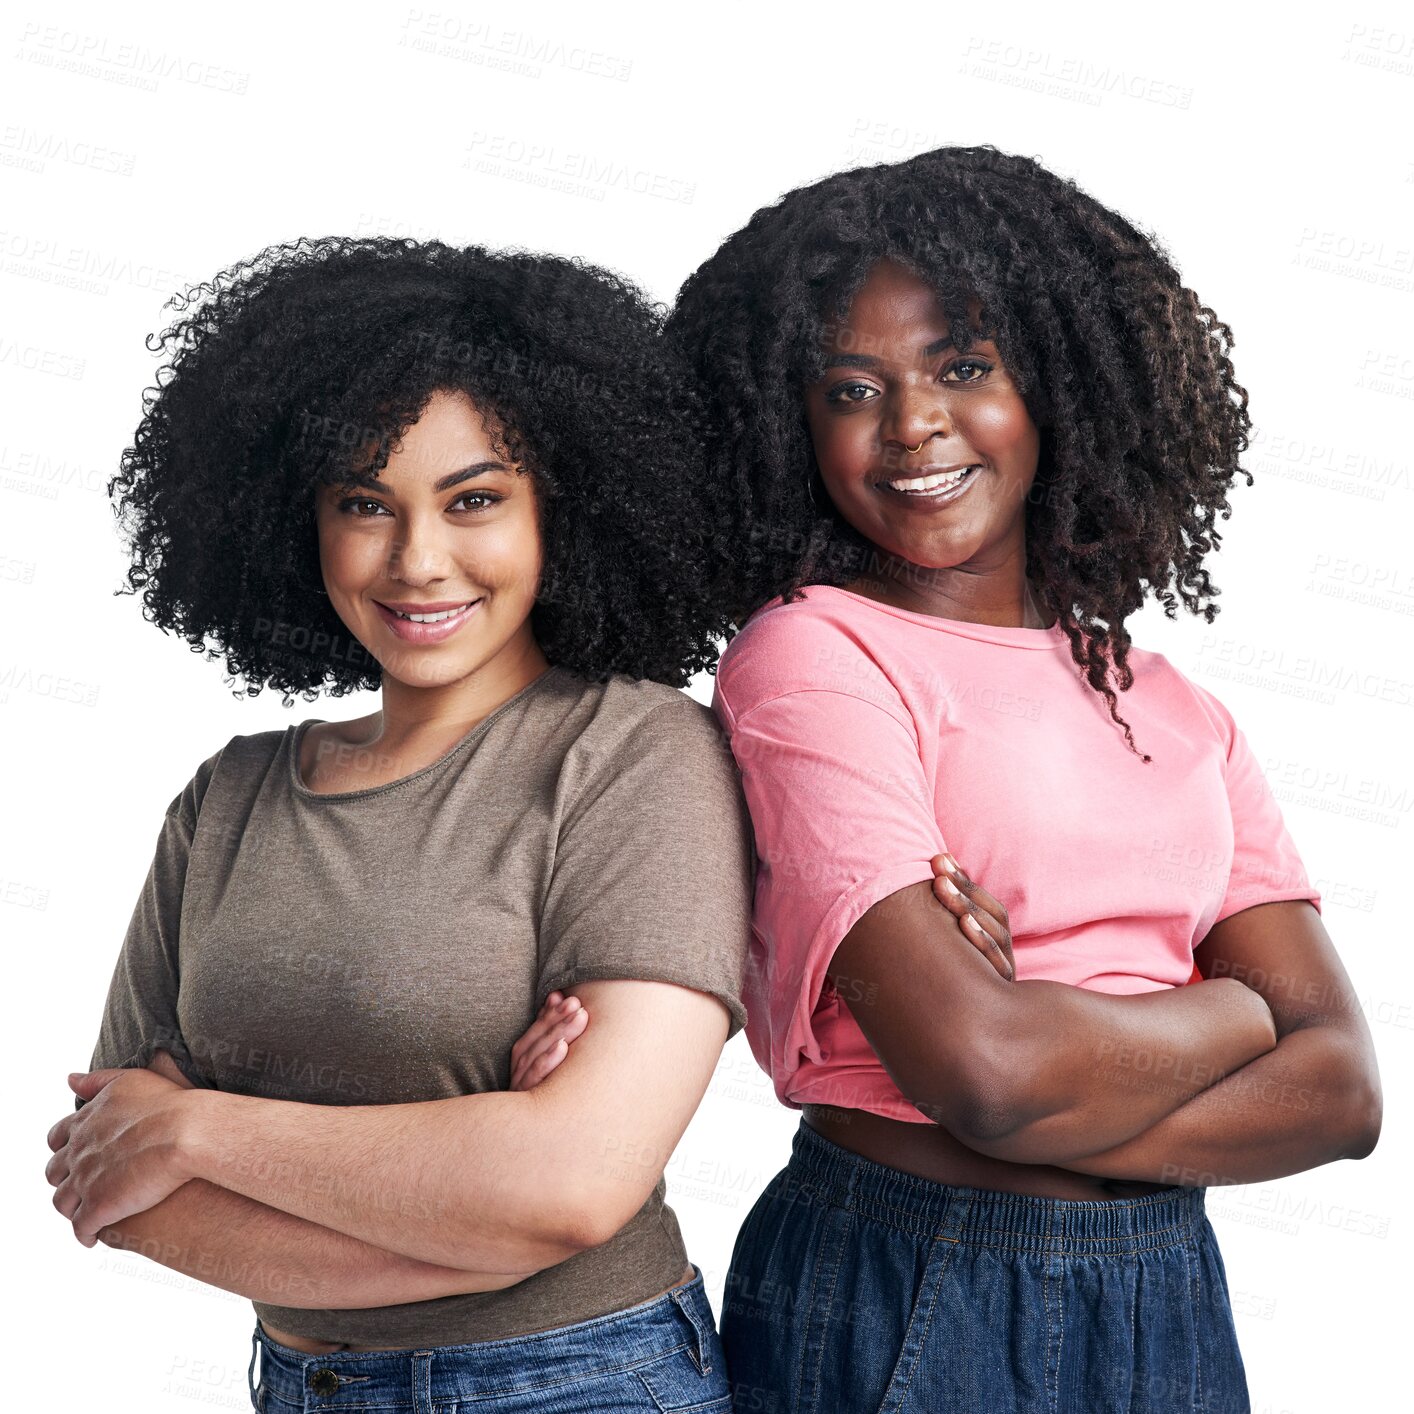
[
  {"x": 863, "y": 360},
  {"x": 368, "y": 478}
]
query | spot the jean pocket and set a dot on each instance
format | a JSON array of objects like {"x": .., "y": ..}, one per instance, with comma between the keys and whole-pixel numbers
[
  {"x": 869, "y": 1323},
  {"x": 677, "y": 1386}
]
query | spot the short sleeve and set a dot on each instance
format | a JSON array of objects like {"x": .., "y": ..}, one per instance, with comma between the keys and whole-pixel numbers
[
  {"x": 843, "y": 817},
  {"x": 140, "y": 1014},
  {"x": 1266, "y": 865},
  {"x": 653, "y": 866}
]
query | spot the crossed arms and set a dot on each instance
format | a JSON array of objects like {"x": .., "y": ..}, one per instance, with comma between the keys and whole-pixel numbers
[
  {"x": 322, "y": 1206},
  {"x": 1267, "y": 1067}
]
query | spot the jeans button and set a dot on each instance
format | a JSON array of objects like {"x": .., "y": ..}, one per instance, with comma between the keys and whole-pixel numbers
[{"x": 324, "y": 1382}]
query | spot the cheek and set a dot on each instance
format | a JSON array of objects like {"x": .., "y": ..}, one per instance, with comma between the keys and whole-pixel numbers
[
  {"x": 349, "y": 560},
  {"x": 1003, "y": 427},
  {"x": 842, "y": 442},
  {"x": 506, "y": 555}
]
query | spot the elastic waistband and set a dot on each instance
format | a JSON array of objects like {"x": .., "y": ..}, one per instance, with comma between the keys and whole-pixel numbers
[
  {"x": 422, "y": 1379},
  {"x": 987, "y": 1217}
]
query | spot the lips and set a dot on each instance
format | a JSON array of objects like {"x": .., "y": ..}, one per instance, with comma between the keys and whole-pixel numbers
[
  {"x": 449, "y": 618},
  {"x": 439, "y": 607},
  {"x": 930, "y": 469},
  {"x": 932, "y": 489}
]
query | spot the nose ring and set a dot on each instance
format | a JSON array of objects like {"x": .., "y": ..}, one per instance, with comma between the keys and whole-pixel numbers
[{"x": 918, "y": 448}]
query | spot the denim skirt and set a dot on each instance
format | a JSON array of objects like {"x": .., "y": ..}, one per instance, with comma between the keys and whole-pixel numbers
[
  {"x": 855, "y": 1288},
  {"x": 658, "y": 1357}
]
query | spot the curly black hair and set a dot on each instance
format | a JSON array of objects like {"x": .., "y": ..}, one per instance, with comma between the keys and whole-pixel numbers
[
  {"x": 304, "y": 364},
  {"x": 1124, "y": 371}
]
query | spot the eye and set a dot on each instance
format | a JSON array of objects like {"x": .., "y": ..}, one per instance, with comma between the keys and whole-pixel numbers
[
  {"x": 850, "y": 393},
  {"x": 971, "y": 363},
  {"x": 486, "y": 497},
  {"x": 348, "y": 504}
]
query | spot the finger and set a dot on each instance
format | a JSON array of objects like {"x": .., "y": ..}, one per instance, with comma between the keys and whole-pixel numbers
[
  {"x": 58, "y": 1134},
  {"x": 66, "y": 1199},
  {"x": 544, "y": 1063},
  {"x": 989, "y": 910},
  {"x": 971, "y": 888},
  {"x": 87, "y": 1084},
  {"x": 979, "y": 927},
  {"x": 86, "y": 1238},
  {"x": 57, "y": 1169},
  {"x": 542, "y": 1028},
  {"x": 981, "y": 930},
  {"x": 566, "y": 1031}
]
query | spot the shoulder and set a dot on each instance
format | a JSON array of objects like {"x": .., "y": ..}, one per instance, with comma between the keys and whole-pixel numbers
[
  {"x": 1186, "y": 702},
  {"x": 819, "y": 643},
  {"x": 241, "y": 759},
  {"x": 625, "y": 717}
]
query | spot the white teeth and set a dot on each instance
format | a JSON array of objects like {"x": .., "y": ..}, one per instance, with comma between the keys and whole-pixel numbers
[
  {"x": 931, "y": 483},
  {"x": 430, "y": 618}
]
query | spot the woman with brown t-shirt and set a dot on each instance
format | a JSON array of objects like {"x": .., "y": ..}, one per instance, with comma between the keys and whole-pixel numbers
[{"x": 467, "y": 480}]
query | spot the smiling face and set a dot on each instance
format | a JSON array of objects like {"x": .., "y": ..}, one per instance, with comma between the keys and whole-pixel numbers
[
  {"x": 926, "y": 452},
  {"x": 447, "y": 533}
]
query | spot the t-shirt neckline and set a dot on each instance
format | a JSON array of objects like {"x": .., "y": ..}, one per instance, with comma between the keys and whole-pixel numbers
[
  {"x": 294, "y": 734},
  {"x": 1003, "y": 635}
]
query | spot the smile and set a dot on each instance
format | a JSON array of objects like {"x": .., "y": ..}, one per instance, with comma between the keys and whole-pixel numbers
[
  {"x": 429, "y": 626},
  {"x": 934, "y": 488}
]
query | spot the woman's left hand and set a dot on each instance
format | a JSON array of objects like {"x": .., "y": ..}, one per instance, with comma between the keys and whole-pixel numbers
[{"x": 120, "y": 1154}]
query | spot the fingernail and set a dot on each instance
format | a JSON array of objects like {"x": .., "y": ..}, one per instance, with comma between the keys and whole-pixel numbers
[
  {"x": 952, "y": 888},
  {"x": 950, "y": 862}
]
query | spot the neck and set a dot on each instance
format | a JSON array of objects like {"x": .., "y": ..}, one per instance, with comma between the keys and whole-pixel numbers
[
  {"x": 1001, "y": 597},
  {"x": 411, "y": 712}
]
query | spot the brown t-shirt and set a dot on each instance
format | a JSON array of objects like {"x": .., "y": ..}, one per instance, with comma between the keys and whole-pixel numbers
[{"x": 388, "y": 945}]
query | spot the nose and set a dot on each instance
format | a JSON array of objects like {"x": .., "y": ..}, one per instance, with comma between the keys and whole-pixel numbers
[
  {"x": 421, "y": 554},
  {"x": 912, "y": 416}
]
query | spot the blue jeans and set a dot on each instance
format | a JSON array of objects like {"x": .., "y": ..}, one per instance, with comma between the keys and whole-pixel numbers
[
  {"x": 659, "y": 1356},
  {"x": 855, "y": 1288}
]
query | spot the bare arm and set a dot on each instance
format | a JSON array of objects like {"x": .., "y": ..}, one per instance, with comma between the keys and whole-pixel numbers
[
  {"x": 571, "y": 1160},
  {"x": 1313, "y": 1099},
  {"x": 1024, "y": 1071},
  {"x": 229, "y": 1241},
  {"x": 226, "y": 1240},
  {"x": 500, "y": 1182}
]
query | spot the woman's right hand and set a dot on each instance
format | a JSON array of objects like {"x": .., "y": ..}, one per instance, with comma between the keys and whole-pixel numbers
[
  {"x": 984, "y": 920},
  {"x": 546, "y": 1041}
]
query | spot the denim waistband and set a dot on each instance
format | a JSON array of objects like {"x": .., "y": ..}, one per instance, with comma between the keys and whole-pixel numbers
[
  {"x": 984, "y": 1216},
  {"x": 421, "y": 1378}
]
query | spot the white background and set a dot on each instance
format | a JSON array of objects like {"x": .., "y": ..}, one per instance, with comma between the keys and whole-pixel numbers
[{"x": 143, "y": 149}]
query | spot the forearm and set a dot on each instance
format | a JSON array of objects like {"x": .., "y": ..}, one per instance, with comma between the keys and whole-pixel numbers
[
  {"x": 229, "y": 1241},
  {"x": 1304, "y": 1104},
  {"x": 476, "y": 1182},
  {"x": 1081, "y": 1071}
]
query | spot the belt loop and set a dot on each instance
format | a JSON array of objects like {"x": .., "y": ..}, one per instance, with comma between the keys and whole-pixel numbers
[
  {"x": 702, "y": 1356},
  {"x": 257, "y": 1399},
  {"x": 422, "y": 1382}
]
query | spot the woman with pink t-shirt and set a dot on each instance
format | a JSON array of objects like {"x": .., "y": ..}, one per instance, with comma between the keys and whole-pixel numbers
[{"x": 969, "y": 418}]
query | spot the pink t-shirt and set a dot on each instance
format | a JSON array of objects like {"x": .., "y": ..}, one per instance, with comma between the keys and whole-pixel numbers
[{"x": 871, "y": 738}]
